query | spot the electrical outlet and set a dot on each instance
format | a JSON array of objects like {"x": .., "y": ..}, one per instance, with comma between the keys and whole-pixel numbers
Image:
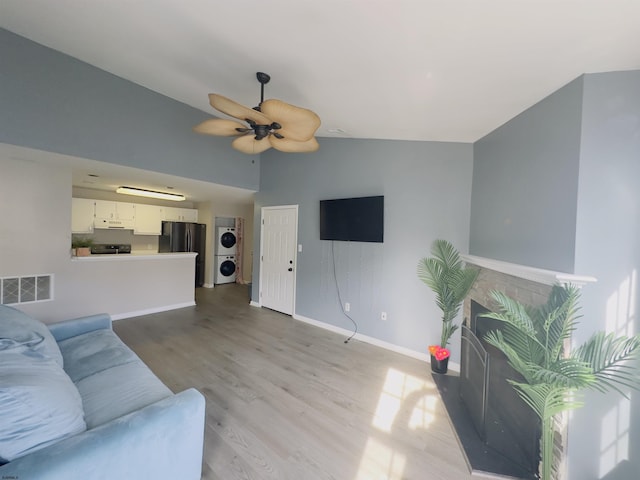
[
  {"x": 347, "y": 307},
  {"x": 383, "y": 315}
]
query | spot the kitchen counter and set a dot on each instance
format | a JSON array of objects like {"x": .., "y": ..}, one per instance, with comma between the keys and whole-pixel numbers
[
  {"x": 135, "y": 255},
  {"x": 131, "y": 284}
]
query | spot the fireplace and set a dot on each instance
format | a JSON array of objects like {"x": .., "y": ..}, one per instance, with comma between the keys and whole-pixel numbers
[
  {"x": 498, "y": 432},
  {"x": 503, "y": 421}
]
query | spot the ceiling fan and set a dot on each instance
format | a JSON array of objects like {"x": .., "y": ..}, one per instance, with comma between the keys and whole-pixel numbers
[{"x": 273, "y": 123}]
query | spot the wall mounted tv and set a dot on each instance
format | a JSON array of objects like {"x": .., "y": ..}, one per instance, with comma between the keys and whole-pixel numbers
[{"x": 352, "y": 219}]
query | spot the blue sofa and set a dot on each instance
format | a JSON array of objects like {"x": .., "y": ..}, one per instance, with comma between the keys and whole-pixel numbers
[{"x": 76, "y": 402}]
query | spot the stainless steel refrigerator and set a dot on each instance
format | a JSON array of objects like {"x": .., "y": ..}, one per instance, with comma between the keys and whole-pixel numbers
[{"x": 185, "y": 237}]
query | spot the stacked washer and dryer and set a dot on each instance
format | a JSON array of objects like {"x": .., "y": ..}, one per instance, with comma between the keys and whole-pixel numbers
[{"x": 225, "y": 255}]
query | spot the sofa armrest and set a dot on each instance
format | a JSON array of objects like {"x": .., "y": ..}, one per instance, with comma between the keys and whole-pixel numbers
[
  {"x": 163, "y": 441},
  {"x": 78, "y": 326}
]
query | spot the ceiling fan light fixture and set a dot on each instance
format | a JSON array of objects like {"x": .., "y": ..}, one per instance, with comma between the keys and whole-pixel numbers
[
  {"x": 250, "y": 144},
  {"x": 273, "y": 123},
  {"x": 141, "y": 192}
]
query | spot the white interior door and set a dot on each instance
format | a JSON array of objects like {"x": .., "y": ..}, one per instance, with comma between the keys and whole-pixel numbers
[{"x": 278, "y": 258}]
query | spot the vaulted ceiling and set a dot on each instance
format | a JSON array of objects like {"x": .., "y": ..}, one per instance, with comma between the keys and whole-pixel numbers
[{"x": 388, "y": 69}]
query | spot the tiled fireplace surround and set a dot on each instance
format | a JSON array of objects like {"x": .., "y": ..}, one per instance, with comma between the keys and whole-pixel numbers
[{"x": 530, "y": 286}]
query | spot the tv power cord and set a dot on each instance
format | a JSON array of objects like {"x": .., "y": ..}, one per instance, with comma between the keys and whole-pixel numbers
[{"x": 335, "y": 281}]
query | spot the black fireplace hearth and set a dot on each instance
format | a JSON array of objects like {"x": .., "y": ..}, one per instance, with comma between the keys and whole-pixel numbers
[
  {"x": 499, "y": 433},
  {"x": 480, "y": 458}
]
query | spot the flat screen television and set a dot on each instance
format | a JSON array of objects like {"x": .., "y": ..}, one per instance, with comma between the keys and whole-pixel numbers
[{"x": 353, "y": 219}]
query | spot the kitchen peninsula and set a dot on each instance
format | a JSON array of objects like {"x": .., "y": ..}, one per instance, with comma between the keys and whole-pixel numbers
[{"x": 138, "y": 283}]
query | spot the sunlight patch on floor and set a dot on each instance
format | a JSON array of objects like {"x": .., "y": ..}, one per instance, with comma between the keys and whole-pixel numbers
[
  {"x": 379, "y": 462},
  {"x": 404, "y": 402},
  {"x": 399, "y": 388}
]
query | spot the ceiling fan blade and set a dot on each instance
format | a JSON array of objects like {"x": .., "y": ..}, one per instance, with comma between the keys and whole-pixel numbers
[
  {"x": 249, "y": 144},
  {"x": 219, "y": 127},
  {"x": 236, "y": 110},
  {"x": 291, "y": 146},
  {"x": 297, "y": 123}
]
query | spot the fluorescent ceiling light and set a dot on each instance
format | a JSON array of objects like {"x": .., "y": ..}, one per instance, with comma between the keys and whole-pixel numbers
[{"x": 141, "y": 192}]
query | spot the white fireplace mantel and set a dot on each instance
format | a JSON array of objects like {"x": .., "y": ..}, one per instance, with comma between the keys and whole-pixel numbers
[{"x": 546, "y": 277}]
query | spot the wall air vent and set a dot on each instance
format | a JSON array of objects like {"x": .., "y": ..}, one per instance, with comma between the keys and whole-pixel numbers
[{"x": 26, "y": 289}]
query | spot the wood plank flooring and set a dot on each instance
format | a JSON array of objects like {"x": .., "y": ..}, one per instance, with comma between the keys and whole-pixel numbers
[{"x": 291, "y": 401}]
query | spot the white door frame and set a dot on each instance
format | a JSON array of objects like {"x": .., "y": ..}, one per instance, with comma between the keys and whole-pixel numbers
[{"x": 295, "y": 257}]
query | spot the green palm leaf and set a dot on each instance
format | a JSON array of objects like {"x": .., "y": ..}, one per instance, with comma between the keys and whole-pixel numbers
[
  {"x": 606, "y": 355},
  {"x": 567, "y": 373},
  {"x": 546, "y": 400},
  {"x": 512, "y": 312},
  {"x": 559, "y": 317},
  {"x": 533, "y": 341},
  {"x": 514, "y": 358},
  {"x": 518, "y": 328},
  {"x": 430, "y": 271}
]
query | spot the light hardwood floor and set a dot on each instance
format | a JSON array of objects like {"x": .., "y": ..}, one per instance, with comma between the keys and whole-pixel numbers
[{"x": 290, "y": 401}]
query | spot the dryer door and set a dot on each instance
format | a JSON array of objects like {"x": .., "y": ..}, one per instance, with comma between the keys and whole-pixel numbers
[
  {"x": 227, "y": 240},
  {"x": 227, "y": 268}
]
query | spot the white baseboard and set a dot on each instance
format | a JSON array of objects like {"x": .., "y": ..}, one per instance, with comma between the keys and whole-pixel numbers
[
  {"x": 425, "y": 357},
  {"x": 149, "y": 311}
]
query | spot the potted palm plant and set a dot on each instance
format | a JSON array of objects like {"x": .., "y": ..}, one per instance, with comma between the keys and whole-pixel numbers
[
  {"x": 448, "y": 277},
  {"x": 533, "y": 340}
]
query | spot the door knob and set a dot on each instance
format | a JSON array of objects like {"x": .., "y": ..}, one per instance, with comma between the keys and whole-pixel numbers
[{"x": 291, "y": 269}]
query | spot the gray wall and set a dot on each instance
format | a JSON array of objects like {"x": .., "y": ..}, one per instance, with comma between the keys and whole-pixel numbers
[
  {"x": 608, "y": 247},
  {"x": 525, "y": 182},
  {"x": 427, "y": 193},
  {"x": 557, "y": 187},
  {"x": 55, "y": 103}
]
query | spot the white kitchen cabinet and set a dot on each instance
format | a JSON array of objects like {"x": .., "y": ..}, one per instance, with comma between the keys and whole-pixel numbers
[
  {"x": 82, "y": 215},
  {"x": 189, "y": 215},
  {"x": 174, "y": 214},
  {"x": 148, "y": 220},
  {"x": 143, "y": 219},
  {"x": 114, "y": 214}
]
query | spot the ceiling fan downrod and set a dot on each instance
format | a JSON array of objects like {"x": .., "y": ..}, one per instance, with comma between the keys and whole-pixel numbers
[
  {"x": 261, "y": 131},
  {"x": 263, "y": 78}
]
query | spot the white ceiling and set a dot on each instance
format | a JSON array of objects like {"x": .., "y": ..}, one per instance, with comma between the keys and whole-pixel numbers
[{"x": 390, "y": 69}]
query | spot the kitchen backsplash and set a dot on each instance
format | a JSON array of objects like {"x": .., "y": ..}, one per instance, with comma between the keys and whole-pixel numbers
[{"x": 138, "y": 242}]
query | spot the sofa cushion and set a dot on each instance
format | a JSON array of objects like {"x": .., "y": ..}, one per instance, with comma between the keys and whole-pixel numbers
[
  {"x": 93, "y": 352},
  {"x": 119, "y": 390},
  {"x": 110, "y": 377},
  {"x": 39, "y": 403},
  {"x": 17, "y": 328}
]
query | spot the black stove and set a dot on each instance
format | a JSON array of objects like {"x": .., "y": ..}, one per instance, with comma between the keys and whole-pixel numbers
[{"x": 108, "y": 248}]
